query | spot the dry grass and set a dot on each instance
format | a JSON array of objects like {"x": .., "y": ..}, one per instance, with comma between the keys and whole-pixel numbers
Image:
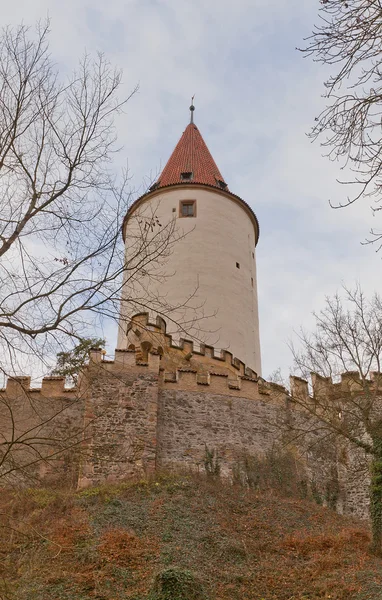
[{"x": 108, "y": 543}]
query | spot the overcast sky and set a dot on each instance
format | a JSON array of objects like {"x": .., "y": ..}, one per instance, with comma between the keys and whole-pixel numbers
[{"x": 256, "y": 97}]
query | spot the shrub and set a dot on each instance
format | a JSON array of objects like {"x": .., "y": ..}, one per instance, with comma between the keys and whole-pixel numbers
[
  {"x": 275, "y": 470},
  {"x": 177, "y": 584},
  {"x": 211, "y": 462}
]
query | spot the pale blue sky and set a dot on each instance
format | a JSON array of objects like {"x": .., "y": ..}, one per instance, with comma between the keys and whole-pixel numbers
[{"x": 256, "y": 97}]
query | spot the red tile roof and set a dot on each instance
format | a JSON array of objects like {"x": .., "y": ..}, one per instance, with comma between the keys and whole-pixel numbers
[{"x": 191, "y": 155}]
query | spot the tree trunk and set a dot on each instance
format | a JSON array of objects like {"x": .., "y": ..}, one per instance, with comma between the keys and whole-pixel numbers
[{"x": 376, "y": 498}]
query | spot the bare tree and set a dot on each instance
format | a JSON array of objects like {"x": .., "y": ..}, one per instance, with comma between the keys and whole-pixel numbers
[
  {"x": 61, "y": 205},
  {"x": 62, "y": 260},
  {"x": 347, "y": 343},
  {"x": 348, "y": 37}
]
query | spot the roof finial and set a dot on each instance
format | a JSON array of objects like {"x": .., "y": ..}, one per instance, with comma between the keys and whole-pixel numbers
[{"x": 192, "y": 108}]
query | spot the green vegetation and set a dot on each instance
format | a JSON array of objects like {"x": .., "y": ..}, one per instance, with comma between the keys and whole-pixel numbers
[
  {"x": 69, "y": 364},
  {"x": 211, "y": 462},
  {"x": 181, "y": 538},
  {"x": 177, "y": 584}
]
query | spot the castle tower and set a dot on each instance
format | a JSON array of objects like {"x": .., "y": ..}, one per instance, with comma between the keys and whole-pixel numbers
[{"x": 190, "y": 252}]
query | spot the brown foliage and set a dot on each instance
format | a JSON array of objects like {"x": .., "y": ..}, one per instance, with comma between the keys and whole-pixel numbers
[
  {"x": 308, "y": 544},
  {"x": 126, "y": 549},
  {"x": 242, "y": 543}
]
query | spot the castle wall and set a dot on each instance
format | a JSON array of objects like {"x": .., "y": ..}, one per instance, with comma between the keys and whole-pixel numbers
[
  {"x": 191, "y": 422},
  {"x": 40, "y": 431},
  {"x": 340, "y": 460},
  {"x": 158, "y": 406},
  {"x": 236, "y": 426},
  {"x": 120, "y": 418},
  {"x": 353, "y": 467}
]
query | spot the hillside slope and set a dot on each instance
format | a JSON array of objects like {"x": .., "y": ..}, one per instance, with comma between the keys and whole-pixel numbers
[{"x": 184, "y": 538}]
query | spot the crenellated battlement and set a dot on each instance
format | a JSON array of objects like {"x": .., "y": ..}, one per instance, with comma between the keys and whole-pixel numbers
[
  {"x": 324, "y": 387},
  {"x": 191, "y": 378},
  {"x": 214, "y": 383},
  {"x": 180, "y": 366},
  {"x": 152, "y": 349},
  {"x": 51, "y": 387},
  {"x": 186, "y": 368},
  {"x": 144, "y": 337}
]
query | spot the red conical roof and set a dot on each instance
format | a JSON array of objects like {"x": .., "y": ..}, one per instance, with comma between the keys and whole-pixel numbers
[{"x": 191, "y": 158}]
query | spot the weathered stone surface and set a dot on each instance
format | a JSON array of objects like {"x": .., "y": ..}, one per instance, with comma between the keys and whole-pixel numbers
[
  {"x": 41, "y": 432},
  {"x": 120, "y": 423},
  {"x": 188, "y": 422},
  {"x": 158, "y": 406}
]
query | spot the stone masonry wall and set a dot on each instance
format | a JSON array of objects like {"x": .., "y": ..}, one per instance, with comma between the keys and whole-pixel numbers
[
  {"x": 120, "y": 419},
  {"x": 232, "y": 427},
  {"x": 348, "y": 463},
  {"x": 40, "y": 431},
  {"x": 158, "y": 406}
]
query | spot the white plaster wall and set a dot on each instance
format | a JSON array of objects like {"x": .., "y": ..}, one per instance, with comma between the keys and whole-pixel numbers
[{"x": 200, "y": 270}]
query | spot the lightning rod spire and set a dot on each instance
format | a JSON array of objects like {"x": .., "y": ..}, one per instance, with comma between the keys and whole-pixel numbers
[{"x": 192, "y": 108}]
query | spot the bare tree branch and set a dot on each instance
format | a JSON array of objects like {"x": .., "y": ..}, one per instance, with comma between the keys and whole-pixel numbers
[
  {"x": 348, "y": 37},
  {"x": 344, "y": 352}
]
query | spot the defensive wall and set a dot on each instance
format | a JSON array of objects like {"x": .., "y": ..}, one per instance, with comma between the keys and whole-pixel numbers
[
  {"x": 41, "y": 430},
  {"x": 157, "y": 406}
]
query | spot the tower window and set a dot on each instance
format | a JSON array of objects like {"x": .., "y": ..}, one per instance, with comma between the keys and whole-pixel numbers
[
  {"x": 238, "y": 265},
  {"x": 186, "y": 176},
  {"x": 187, "y": 208},
  {"x": 222, "y": 184}
]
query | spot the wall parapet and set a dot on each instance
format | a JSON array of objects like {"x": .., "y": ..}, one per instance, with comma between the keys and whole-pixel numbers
[
  {"x": 324, "y": 387},
  {"x": 217, "y": 383},
  {"x": 146, "y": 336},
  {"x": 51, "y": 387},
  {"x": 180, "y": 366}
]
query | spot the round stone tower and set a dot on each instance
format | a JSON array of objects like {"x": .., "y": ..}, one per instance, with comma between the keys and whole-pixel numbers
[{"x": 190, "y": 252}]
